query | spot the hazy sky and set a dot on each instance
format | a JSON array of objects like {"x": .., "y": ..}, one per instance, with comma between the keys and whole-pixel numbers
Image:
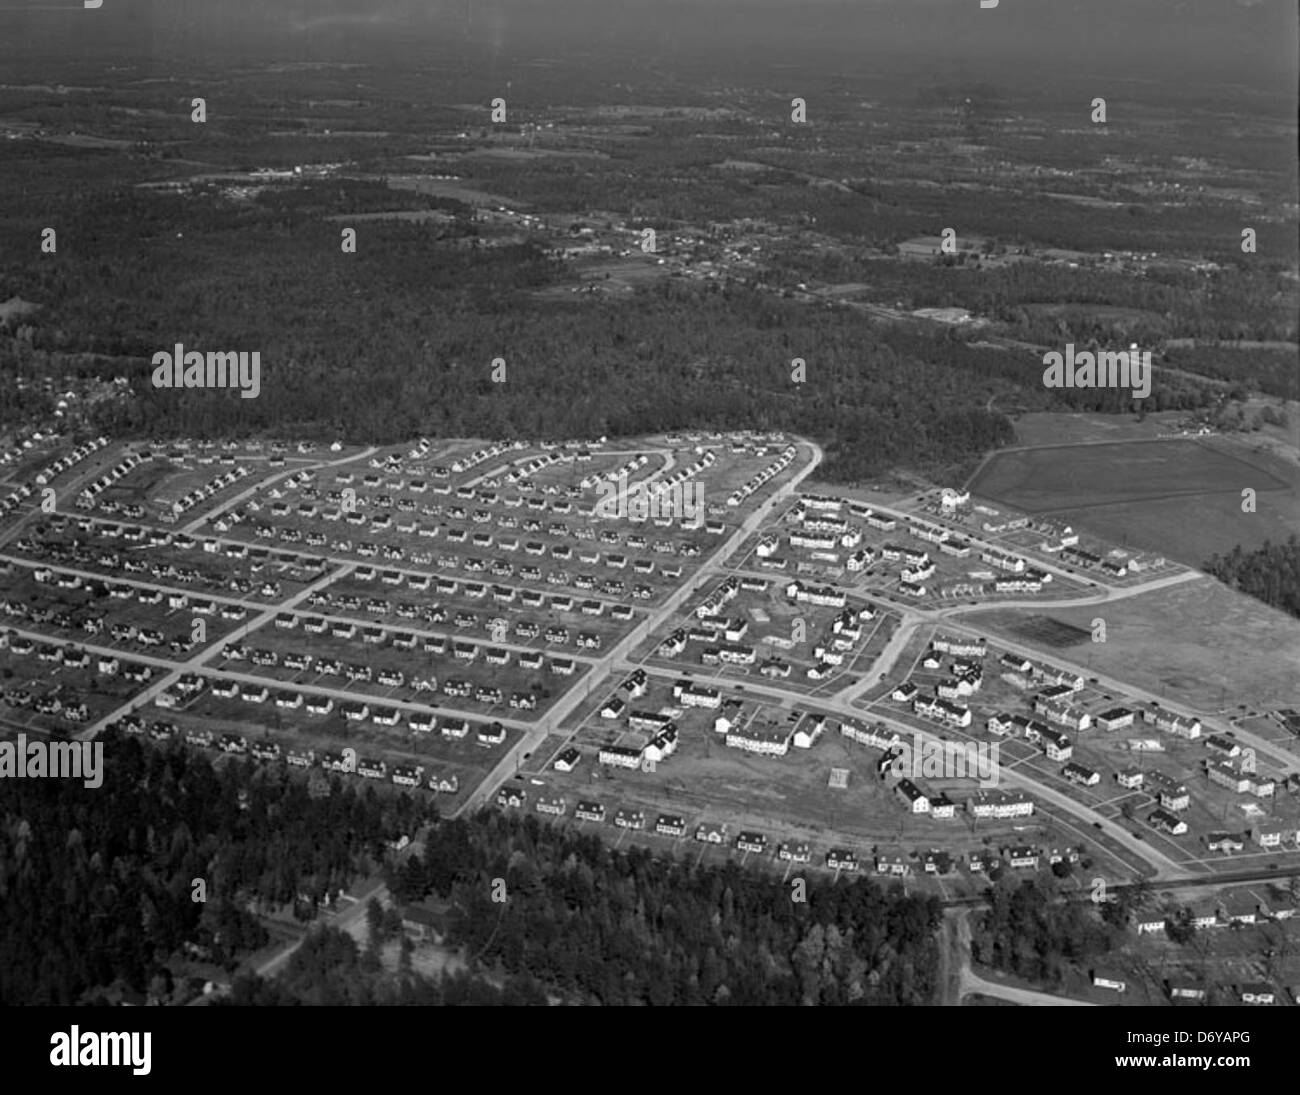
[{"x": 1250, "y": 39}]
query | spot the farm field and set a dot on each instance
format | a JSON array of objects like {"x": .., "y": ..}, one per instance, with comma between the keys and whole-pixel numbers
[
  {"x": 1042, "y": 428},
  {"x": 1191, "y": 529},
  {"x": 449, "y": 188},
  {"x": 1080, "y": 476},
  {"x": 1181, "y": 498},
  {"x": 1196, "y": 643}
]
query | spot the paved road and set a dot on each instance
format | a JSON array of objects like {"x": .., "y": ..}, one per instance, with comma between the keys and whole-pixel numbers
[
  {"x": 1207, "y": 881},
  {"x": 713, "y": 568},
  {"x": 260, "y": 484},
  {"x": 343, "y": 919},
  {"x": 619, "y": 653},
  {"x": 492, "y": 465},
  {"x": 915, "y": 617},
  {"x": 1285, "y": 760},
  {"x": 533, "y": 733},
  {"x": 173, "y": 671},
  {"x": 1161, "y": 865},
  {"x": 130, "y": 580},
  {"x": 377, "y": 563},
  {"x": 206, "y": 655},
  {"x": 975, "y": 540}
]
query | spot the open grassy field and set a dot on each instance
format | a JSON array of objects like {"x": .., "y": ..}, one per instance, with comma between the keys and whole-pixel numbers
[
  {"x": 1053, "y": 428},
  {"x": 1190, "y": 529},
  {"x": 1181, "y": 498},
  {"x": 1080, "y": 476},
  {"x": 450, "y": 188},
  {"x": 1098, "y": 312},
  {"x": 1197, "y": 643},
  {"x": 1048, "y": 631}
]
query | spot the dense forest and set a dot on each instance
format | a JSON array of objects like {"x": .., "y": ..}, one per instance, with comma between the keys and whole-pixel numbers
[
  {"x": 631, "y": 927},
  {"x": 96, "y": 886},
  {"x": 97, "y": 890},
  {"x": 1270, "y": 573},
  {"x": 420, "y": 361},
  {"x": 398, "y": 340},
  {"x": 1273, "y": 370},
  {"x": 1030, "y": 931}
]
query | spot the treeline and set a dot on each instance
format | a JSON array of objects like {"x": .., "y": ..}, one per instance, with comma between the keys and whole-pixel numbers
[
  {"x": 338, "y": 197},
  {"x": 1269, "y": 573},
  {"x": 98, "y": 884},
  {"x": 597, "y": 925},
  {"x": 1273, "y": 371},
  {"x": 1029, "y": 930},
  {"x": 1051, "y": 304}
]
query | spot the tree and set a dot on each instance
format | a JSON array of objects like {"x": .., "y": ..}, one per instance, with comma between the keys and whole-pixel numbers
[
  {"x": 375, "y": 923},
  {"x": 392, "y": 922},
  {"x": 1180, "y": 927},
  {"x": 1116, "y": 912},
  {"x": 1139, "y": 894}
]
